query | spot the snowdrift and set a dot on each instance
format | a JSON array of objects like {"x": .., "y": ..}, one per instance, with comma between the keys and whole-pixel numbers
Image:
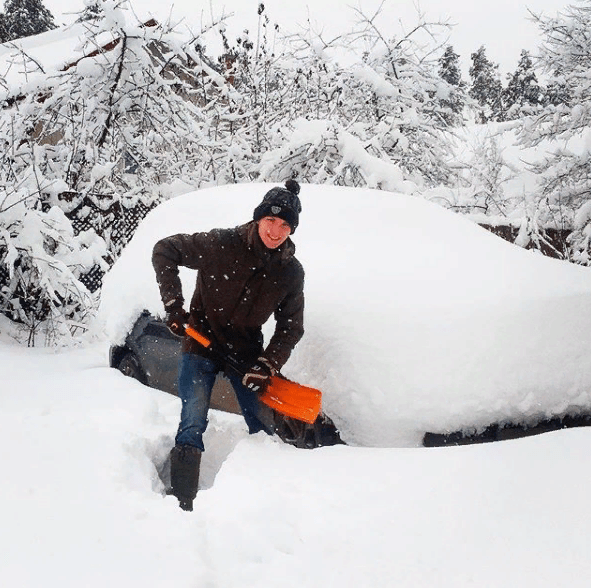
[{"x": 416, "y": 318}]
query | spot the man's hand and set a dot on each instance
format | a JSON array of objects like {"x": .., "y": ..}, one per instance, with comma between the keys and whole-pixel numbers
[
  {"x": 258, "y": 376},
  {"x": 176, "y": 319}
]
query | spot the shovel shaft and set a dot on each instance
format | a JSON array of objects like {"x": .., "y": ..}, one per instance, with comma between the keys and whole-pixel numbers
[{"x": 206, "y": 343}]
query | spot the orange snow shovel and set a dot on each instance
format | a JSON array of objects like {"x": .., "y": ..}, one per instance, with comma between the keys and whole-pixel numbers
[{"x": 282, "y": 395}]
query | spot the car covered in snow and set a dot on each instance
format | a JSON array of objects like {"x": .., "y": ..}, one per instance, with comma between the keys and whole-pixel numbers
[
  {"x": 417, "y": 320},
  {"x": 151, "y": 354}
]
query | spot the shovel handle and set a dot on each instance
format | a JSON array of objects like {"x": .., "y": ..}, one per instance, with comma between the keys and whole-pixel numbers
[
  {"x": 206, "y": 343},
  {"x": 197, "y": 336}
]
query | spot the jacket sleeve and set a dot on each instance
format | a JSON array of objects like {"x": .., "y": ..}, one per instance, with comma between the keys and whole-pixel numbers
[
  {"x": 171, "y": 253},
  {"x": 289, "y": 328}
]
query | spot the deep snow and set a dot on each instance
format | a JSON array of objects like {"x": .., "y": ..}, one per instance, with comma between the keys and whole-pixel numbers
[
  {"x": 79, "y": 500},
  {"x": 444, "y": 324}
]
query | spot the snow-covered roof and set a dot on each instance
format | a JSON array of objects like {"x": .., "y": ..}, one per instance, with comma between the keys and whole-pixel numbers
[
  {"x": 23, "y": 60},
  {"x": 48, "y": 52}
]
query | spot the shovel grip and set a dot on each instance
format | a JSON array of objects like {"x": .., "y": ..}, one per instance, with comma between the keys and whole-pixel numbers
[{"x": 197, "y": 336}]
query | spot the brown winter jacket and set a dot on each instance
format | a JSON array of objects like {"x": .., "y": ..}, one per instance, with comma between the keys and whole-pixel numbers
[{"x": 240, "y": 284}]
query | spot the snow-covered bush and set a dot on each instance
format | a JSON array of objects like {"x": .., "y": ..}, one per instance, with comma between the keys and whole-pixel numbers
[
  {"x": 322, "y": 152},
  {"x": 383, "y": 111},
  {"x": 488, "y": 172},
  {"x": 565, "y": 170},
  {"x": 42, "y": 261}
]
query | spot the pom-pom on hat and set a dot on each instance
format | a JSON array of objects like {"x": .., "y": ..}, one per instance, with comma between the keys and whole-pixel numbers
[{"x": 283, "y": 203}]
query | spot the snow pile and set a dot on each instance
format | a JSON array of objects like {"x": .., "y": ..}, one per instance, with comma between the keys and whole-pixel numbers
[
  {"x": 416, "y": 319},
  {"x": 80, "y": 500}
]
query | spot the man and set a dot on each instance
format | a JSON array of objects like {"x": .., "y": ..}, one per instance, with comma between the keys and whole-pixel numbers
[{"x": 244, "y": 275}]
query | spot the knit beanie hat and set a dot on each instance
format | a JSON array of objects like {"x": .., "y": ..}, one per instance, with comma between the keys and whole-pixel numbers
[{"x": 283, "y": 203}]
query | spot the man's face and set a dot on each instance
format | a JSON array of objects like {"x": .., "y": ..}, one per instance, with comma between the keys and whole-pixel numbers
[{"x": 273, "y": 231}]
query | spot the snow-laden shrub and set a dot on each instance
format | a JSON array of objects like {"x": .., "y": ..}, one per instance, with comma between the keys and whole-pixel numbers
[
  {"x": 321, "y": 152},
  {"x": 41, "y": 263},
  {"x": 391, "y": 98},
  {"x": 564, "y": 169}
]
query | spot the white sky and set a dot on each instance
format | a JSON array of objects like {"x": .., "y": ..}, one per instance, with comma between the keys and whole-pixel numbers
[{"x": 502, "y": 26}]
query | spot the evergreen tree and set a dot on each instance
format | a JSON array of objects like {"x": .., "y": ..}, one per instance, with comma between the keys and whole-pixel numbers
[
  {"x": 449, "y": 67},
  {"x": 522, "y": 94},
  {"x": 24, "y": 18},
  {"x": 449, "y": 71},
  {"x": 3, "y": 30},
  {"x": 486, "y": 86}
]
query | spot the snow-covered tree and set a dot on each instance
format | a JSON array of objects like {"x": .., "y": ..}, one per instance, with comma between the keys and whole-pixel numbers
[
  {"x": 450, "y": 71},
  {"x": 91, "y": 147},
  {"x": 241, "y": 125},
  {"x": 556, "y": 91},
  {"x": 523, "y": 94},
  {"x": 489, "y": 171},
  {"x": 92, "y": 10},
  {"x": 3, "y": 30},
  {"x": 385, "y": 111},
  {"x": 486, "y": 88},
  {"x": 24, "y": 18},
  {"x": 564, "y": 127},
  {"x": 449, "y": 67},
  {"x": 42, "y": 261}
]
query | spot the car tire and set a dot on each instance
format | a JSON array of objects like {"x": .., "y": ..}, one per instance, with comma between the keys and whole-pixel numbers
[{"x": 130, "y": 366}]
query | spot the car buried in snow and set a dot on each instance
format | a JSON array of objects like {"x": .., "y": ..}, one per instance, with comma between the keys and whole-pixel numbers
[
  {"x": 421, "y": 328},
  {"x": 151, "y": 353}
]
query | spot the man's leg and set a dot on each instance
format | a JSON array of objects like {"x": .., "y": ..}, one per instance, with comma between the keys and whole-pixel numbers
[
  {"x": 258, "y": 416},
  {"x": 196, "y": 378}
]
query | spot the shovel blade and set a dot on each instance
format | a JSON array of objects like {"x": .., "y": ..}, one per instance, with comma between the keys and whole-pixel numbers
[{"x": 293, "y": 400}]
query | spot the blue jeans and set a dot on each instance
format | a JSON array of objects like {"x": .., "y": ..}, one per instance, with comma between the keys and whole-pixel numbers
[{"x": 196, "y": 378}]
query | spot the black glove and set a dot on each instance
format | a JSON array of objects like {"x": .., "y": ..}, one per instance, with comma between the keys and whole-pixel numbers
[
  {"x": 258, "y": 376},
  {"x": 176, "y": 320}
]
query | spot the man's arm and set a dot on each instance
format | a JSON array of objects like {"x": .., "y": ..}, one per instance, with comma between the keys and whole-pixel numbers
[
  {"x": 289, "y": 327},
  {"x": 168, "y": 255}
]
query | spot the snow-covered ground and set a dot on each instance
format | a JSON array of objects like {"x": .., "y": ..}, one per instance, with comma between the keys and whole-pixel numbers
[{"x": 79, "y": 500}]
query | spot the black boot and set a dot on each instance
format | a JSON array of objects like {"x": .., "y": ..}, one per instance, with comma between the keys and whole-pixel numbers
[{"x": 184, "y": 474}]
